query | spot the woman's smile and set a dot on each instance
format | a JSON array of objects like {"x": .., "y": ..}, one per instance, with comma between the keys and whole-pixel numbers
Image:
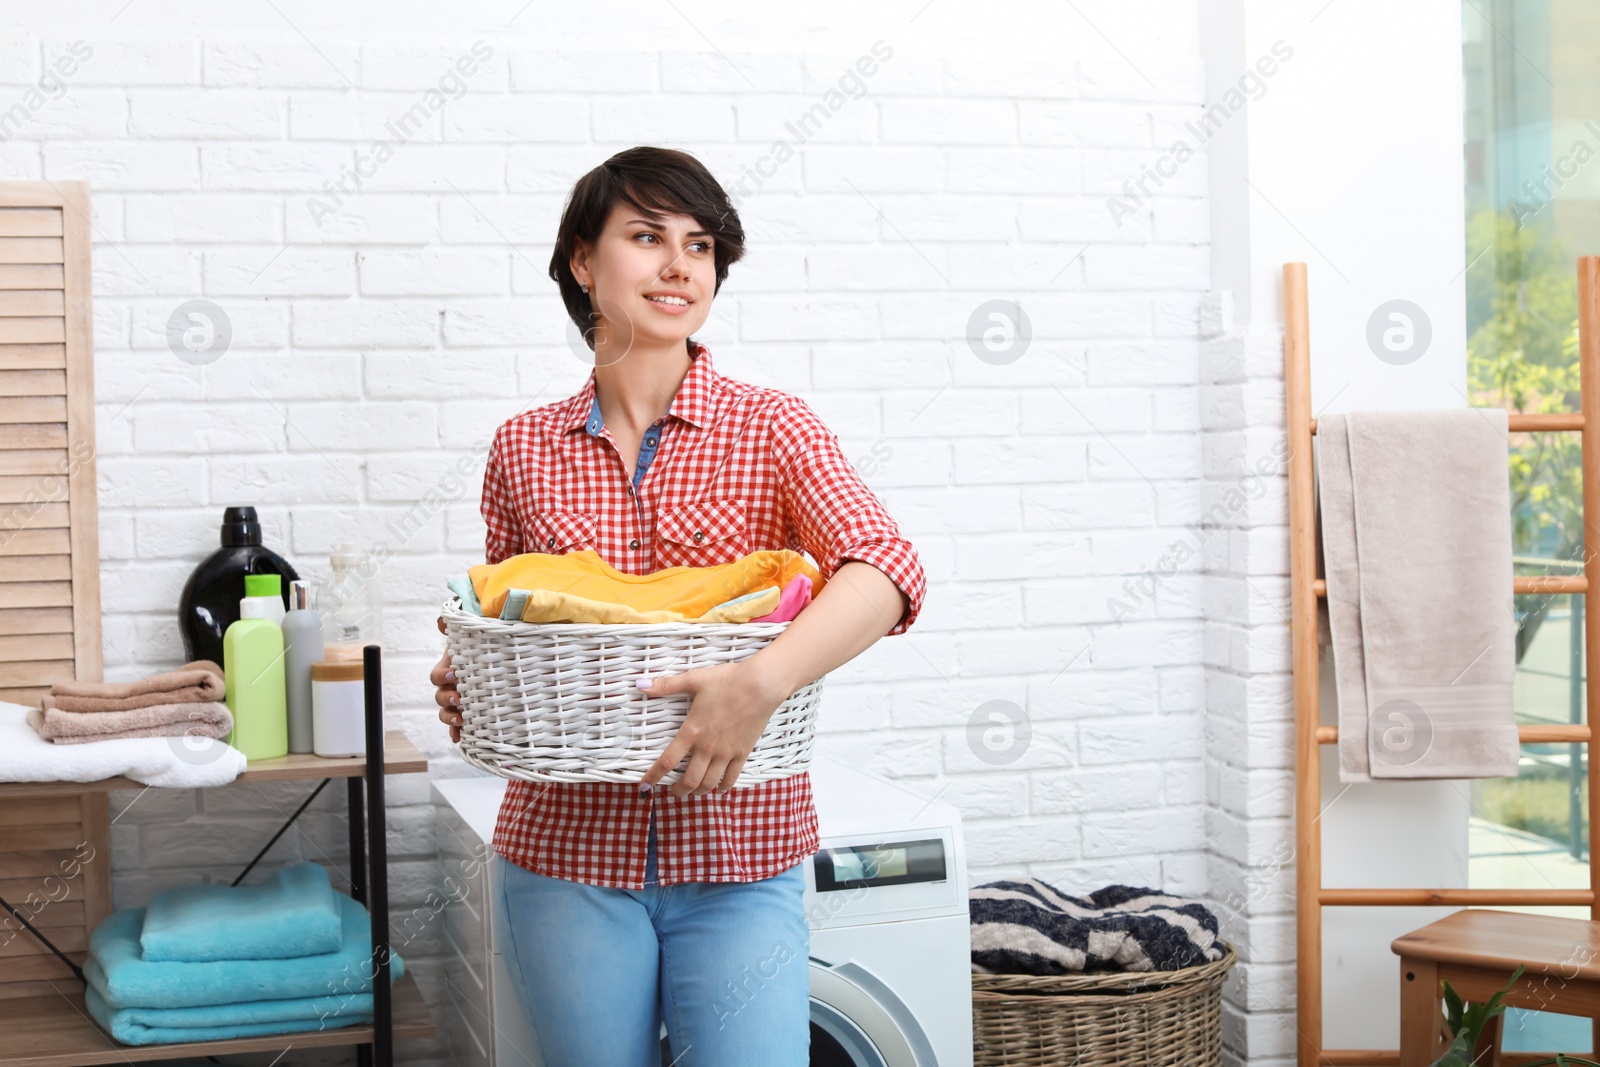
[{"x": 670, "y": 304}]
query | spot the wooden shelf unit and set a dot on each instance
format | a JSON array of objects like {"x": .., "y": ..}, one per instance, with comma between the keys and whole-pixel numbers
[{"x": 56, "y": 1030}]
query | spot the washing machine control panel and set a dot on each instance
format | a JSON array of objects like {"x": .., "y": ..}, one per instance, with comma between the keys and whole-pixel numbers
[
  {"x": 908, "y": 875},
  {"x": 902, "y": 862}
]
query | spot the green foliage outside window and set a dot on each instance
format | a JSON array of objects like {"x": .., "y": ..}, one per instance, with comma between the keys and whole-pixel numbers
[{"x": 1522, "y": 354}]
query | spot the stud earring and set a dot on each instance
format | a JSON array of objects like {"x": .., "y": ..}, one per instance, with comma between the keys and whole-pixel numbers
[{"x": 585, "y": 288}]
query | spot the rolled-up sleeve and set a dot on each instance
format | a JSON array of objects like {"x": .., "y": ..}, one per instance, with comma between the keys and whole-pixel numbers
[
  {"x": 833, "y": 512},
  {"x": 503, "y": 538}
]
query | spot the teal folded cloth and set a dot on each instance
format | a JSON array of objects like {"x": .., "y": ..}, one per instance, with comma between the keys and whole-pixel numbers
[
  {"x": 462, "y": 587},
  {"x": 293, "y": 913},
  {"x": 116, "y": 971},
  {"x": 221, "y": 1022},
  {"x": 516, "y": 604}
]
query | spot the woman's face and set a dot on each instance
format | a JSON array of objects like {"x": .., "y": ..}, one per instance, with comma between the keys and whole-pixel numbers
[{"x": 640, "y": 273}]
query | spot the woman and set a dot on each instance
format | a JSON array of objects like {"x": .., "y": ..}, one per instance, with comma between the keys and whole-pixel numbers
[{"x": 629, "y": 904}]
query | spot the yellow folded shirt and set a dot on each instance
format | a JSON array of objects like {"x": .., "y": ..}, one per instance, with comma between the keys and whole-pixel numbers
[
  {"x": 565, "y": 587},
  {"x": 542, "y": 605}
]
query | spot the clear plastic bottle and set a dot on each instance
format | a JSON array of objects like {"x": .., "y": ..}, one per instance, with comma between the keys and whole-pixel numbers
[{"x": 351, "y": 605}]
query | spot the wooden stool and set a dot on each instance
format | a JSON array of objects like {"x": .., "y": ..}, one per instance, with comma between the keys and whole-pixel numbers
[{"x": 1476, "y": 951}]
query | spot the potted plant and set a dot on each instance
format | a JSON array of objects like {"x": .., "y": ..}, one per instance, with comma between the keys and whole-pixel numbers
[{"x": 1466, "y": 1022}]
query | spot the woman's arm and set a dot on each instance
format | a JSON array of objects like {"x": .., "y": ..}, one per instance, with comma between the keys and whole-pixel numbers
[
  {"x": 857, "y": 606},
  {"x": 875, "y": 588},
  {"x": 732, "y": 702}
]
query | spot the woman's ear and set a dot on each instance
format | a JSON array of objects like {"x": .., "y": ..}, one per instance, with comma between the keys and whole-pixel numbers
[{"x": 579, "y": 264}]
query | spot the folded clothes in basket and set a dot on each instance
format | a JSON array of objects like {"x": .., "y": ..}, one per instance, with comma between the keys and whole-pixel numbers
[
  {"x": 583, "y": 587},
  {"x": 295, "y": 912},
  {"x": 200, "y": 680},
  {"x": 1031, "y": 927},
  {"x": 203, "y": 718}
]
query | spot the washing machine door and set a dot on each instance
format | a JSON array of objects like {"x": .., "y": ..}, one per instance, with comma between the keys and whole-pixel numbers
[{"x": 858, "y": 1021}]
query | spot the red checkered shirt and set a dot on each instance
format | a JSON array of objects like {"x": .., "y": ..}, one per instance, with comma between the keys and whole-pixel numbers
[{"x": 732, "y": 468}]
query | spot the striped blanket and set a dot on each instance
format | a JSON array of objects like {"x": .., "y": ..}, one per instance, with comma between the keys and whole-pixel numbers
[{"x": 1030, "y": 927}]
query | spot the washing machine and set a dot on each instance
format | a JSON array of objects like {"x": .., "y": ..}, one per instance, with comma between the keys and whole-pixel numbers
[
  {"x": 891, "y": 943},
  {"x": 885, "y": 900}
]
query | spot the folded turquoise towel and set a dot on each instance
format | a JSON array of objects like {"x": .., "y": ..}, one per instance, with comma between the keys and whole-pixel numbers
[
  {"x": 293, "y": 913},
  {"x": 126, "y": 981},
  {"x": 159, "y": 1026},
  {"x": 462, "y": 587}
]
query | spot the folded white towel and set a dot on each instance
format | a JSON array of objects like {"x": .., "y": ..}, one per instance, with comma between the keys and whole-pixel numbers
[{"x": 170, "y": 762}]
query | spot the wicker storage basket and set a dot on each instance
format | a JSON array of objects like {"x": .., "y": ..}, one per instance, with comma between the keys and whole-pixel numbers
[
  {"x": 1117, "y": 1019},
  {"x": 556, "y": 702}
]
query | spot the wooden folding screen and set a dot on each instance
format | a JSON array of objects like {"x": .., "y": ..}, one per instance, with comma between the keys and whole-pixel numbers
[
  {"x": 49, "y": 530},
  {"x": 1311, "y": 896},
  {"x": 55, "y": 855}
]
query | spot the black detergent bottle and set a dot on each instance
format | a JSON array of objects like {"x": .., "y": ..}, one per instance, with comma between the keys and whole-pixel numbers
[{"x": 210, "y": 601}]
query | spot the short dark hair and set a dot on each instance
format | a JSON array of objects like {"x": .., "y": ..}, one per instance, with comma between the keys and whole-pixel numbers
[{"x": 657, "y": 181}]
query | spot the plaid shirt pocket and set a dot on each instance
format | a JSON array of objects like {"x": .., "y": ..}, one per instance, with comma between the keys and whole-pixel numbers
[
  {"x": 705, "y": 534},
  {"x": 560, "y": 532}
]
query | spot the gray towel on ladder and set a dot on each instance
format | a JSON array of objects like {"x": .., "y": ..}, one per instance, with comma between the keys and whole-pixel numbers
[{"x": 1416, "y": 540}]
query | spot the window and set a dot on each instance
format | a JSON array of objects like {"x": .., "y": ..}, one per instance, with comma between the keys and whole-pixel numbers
[{"x": 1532, "y": 154}]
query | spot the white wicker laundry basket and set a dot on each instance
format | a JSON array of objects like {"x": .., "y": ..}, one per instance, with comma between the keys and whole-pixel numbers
[{"x": 556, "y": 702}]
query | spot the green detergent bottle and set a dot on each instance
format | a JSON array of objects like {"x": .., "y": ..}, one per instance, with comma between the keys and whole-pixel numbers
[{"x": 253, "y": 672}]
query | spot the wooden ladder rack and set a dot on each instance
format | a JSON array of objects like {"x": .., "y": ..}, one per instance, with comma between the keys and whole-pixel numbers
[{"x": 1310, "y": 735}]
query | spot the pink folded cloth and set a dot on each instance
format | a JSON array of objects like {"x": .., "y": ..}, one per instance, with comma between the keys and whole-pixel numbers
[
  {"x": 795, "y": 595},
  {"x": 199, "y": 718}
]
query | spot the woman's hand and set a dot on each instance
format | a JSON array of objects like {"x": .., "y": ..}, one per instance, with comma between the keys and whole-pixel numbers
[
  {"x": 449, "y": 700},
  {"x": 731, "y": 705}
]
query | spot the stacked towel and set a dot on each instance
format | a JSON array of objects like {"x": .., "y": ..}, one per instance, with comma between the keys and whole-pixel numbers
[
  {"x": 200, "y": 680},
  {"x": 142, "y": 1001},
  {"x": 186, "y": 702},
  {"x": 1031, "y": 927},
  {"x": 185, "y": 763},
  {"x": 293, "y": 913}
]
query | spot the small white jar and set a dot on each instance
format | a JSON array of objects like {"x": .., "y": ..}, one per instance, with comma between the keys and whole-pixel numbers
[{"x": 338, "y": 709}]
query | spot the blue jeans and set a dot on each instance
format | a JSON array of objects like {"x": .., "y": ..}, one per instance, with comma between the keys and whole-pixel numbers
[{"x": 597, "y": 969}]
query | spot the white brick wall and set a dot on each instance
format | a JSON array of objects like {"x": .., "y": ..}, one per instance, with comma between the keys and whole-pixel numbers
[
  {"x": 377, "y": 345},
  {"x": 1249, "y": 763}
]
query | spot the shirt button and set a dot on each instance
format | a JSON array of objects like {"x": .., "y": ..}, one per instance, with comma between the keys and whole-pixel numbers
[
  {"x": 634, "y": 543},
  {"x": 551, "y": 543},
  {"x": 699, "y": 535},
  {"x": 650, "y": 442}
]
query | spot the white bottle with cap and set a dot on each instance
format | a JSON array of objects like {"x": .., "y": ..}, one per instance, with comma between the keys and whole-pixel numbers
[{"x": 339, "y": 708}]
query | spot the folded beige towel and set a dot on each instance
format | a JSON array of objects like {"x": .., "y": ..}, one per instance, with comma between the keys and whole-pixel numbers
[
  {"x": 1416, "y": 539},
  {"x": 205, "y": 718},
  {"x": 200, "y": 680}
]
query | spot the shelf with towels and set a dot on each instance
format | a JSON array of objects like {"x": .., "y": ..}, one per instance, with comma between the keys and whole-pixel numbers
[
  {"x": 400, "y": 756},
  {"x": 55, "y": 1029}
]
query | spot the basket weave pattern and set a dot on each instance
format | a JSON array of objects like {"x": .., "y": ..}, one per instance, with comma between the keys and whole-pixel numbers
[
  {"x": 557, "y": 702},
  {"x": 1120, "y": 1019}
]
